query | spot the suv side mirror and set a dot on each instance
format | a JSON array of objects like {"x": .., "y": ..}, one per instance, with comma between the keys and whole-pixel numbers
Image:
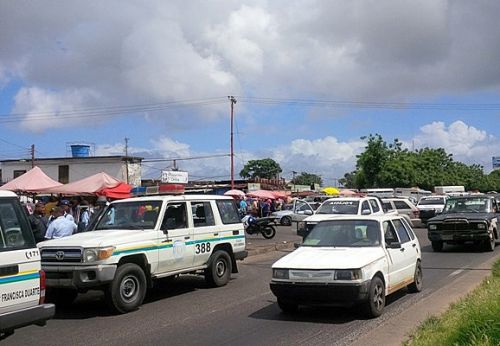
[
  {"x": 366, "y": 212},
  {"x": 308, "y": 212},
  {"x": 169, "y": 224}
]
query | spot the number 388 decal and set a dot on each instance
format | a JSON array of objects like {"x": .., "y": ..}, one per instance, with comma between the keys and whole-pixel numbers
[{"x": 202, "y": 248}]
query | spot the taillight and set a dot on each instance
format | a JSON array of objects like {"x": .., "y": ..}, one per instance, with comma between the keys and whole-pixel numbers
[{"x": 42, "y": 287}]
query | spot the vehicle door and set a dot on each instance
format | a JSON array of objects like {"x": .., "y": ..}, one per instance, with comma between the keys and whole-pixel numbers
[
  {"x": 176, "y": 249},
  {"x": 205, "y": 230},
  {"x": 404, "y": 208},
  {"x": 19, "y": 259},
  {"x": 396, "y": 256},
  {"x": 406, "y": 255},
  {"x": 376, "y": 208},
  {"x": 301, "y": 210}
]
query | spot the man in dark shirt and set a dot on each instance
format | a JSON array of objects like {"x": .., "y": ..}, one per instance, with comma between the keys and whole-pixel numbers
[{"x": 38, "y": 222}]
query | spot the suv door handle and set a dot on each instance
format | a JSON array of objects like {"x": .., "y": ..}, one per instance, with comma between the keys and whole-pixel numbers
[
  {"x": 216, "y": 234},
  {"x": 414, "y": 245},
  {"x": 402, "y": 249},
  {"x": 187, "y": 237}
]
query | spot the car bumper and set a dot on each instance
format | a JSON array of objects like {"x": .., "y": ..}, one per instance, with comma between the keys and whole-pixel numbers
[
  {"x": 38, "y": 314},
  {"x": 77, "y": 277},
  {"x": 321, "y": 294},
  {"x": 458, "y": 236}
]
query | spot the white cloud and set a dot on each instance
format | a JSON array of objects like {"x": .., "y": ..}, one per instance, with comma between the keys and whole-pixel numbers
[{"x": 467, "y": 143}]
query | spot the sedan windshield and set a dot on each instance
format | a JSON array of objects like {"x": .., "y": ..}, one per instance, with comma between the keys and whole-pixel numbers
[
  {"x": 339, "y": 207},
  {"x": 467, "y": 205},
  {"x": 130, "y": 215},
  {"x": 344, "y": 233}
]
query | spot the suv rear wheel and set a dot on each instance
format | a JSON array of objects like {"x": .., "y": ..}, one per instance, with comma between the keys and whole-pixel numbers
[
  {"x": 128, "y": 289},
  {"x": 219, "y": 269}
]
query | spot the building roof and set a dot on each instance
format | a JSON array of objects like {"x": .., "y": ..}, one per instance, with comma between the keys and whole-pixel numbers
[{"x": 71, "y": 158}]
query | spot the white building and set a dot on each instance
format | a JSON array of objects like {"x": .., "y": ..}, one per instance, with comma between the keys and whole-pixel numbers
[{"x": 70, "y": 169}]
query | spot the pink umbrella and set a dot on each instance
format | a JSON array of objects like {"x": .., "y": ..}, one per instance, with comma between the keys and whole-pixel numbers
[
  {"x": 261, "y": 194},
  {"x": 234, "y": 193}
]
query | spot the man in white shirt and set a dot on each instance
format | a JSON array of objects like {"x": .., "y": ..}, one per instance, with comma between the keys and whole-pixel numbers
[{"x": 61, "y": 226}]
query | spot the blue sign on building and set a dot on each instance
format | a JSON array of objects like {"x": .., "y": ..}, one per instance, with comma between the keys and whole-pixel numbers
[{"x": 495, "y": 161}]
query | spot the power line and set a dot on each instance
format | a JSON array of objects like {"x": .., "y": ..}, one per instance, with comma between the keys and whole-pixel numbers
[{"x": 186, "y": 158}]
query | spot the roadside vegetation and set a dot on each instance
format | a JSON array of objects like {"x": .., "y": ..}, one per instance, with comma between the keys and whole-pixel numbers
[{"x": 474, "y": 320}]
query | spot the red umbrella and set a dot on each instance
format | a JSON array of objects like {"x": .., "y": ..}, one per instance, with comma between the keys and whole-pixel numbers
[
  {"x": 261, "y": 194},
  {"x": 234, "y": 193}
]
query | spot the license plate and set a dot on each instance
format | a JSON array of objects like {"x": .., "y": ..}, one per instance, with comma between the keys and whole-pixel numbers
[{"x": 447, "y": 237}]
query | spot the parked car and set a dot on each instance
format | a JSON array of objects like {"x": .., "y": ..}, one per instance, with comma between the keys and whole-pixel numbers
[
  {"x": 298, "y": 210},
  {"x": 350, "y": 260},
  {"x": 341, "y": 206},
  {"x": 22, "y": 283},
  {"x": 141, "y": 239},
  {"x": 472, "y": 218},
  {"x": 404, "y": 207},
  {"x": 430, "y": 206}
]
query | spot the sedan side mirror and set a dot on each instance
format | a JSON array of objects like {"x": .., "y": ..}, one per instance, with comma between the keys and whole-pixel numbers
[
  {"x": 393, "y": 245},
  {"x": 308, "y": 212}
]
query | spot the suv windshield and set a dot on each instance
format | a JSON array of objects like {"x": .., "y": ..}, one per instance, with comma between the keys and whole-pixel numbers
[
  {"x": 15, "y": 232},
  {"x": 431, "y": 200},
  {"x": 339, "y": 207},
  {"x": 130, "y": 215},
  {"x": 344, "y": 233},
  {"x": 467, "y": 205}
]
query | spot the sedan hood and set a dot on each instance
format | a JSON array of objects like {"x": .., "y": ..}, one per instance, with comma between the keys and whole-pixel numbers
[
  {"x": 98, "y": 238},
  {"x": 306, "y": 257}
]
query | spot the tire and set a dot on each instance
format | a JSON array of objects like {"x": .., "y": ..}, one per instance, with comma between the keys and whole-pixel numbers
[
  {"x": 62, "y": 296},
  {"x": 286, "y": 221},
  {"x": 376, "y": 298},
  {"x": 219, "y": 269},
  {"x": 416, "y": 285},
  {"x": 268, "y": 232},
  {"x": 489, "y": 245},
  {"x": 128, "y": 289},
  {"x": 437, "y": 246},
  {"x": 287, "y": 306}
]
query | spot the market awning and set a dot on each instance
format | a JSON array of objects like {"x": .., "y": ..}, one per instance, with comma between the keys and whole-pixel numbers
[{"x": 33, "y": 180}]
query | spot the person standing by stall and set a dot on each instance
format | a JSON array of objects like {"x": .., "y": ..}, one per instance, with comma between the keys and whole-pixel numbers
[
  {"x": 61, "y": 226},
  {"x": 39, "y": 222}
]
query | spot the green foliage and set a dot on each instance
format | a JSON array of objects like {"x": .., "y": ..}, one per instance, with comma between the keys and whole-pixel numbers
[
  {"x": 265, "y": 168},
  {"x": 389, "y": 165},
  {"x": 471, "y": 321},
  {"x": 307, "y": 179}
]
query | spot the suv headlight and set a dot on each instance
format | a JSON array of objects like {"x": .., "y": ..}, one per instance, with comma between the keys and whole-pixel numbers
[
  {"x": 481, "y": 226},
  {"x": 97, "y": 254},
  {"x": 432, "y": 227},
  {"x": 349, "y": 274},
  {"x": 281, "y": 274}
]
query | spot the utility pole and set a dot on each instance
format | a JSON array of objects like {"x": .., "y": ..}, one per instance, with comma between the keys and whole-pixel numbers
[
  {"x": 233, "y": 102},
  {"x": 293, "y": 180},
  {"x": 126, "y": 158},
  {"x": 32, "y": 155}
]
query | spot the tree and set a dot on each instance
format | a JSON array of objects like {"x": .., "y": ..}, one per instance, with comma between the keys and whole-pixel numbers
[
  {"x": 307, "y": 179},
  {"x": 265, "y": 168}
]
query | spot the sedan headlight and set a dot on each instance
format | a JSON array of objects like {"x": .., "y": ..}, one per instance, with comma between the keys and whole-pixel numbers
[
  {"x": 97, "y": 254},
  {"x": 349, "y": 274},
  {"x": 432, "y": 227},
  {"x": 281, "y": 274}
]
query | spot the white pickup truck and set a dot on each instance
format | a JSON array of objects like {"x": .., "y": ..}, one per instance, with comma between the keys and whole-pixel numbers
[
  {"x": 334, "y": 207},
  {"x": 138, "y": 240}
]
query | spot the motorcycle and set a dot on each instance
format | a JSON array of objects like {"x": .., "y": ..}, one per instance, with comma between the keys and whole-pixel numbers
[{"x": 262, "y": 225}]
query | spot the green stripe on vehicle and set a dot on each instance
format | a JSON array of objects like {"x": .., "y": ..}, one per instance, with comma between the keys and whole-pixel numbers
[{"x": 19, "y": 278}]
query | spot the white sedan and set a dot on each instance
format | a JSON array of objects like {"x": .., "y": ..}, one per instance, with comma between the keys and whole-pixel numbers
[{"x": 356, "y": 260}]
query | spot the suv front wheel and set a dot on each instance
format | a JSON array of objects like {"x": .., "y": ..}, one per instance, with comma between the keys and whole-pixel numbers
[{"x": 128, "y": 288}]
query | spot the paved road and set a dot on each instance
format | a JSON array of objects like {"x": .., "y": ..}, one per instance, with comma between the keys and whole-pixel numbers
[{"x": 244, "y": 312}]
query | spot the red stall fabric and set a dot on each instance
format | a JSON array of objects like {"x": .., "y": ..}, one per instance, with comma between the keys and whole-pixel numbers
[{"x": 120, "y": 191}]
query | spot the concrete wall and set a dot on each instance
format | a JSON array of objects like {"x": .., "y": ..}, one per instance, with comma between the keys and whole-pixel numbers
[{"x": 78, "y": 168}]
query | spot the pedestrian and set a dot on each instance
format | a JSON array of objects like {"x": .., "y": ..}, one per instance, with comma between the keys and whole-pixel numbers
[
  {"x": 66, "y": 207},
  {"x": 39, "y": 222},
  {"x": 61, "y": 226},
  {"x": 266, "y": 208},
  {"x": 243, "y": 206},
  {"x": 84, "y": 216}
]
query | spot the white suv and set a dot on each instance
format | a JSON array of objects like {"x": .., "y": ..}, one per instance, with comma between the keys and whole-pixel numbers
[
  {"x": 350, "y": 260},
  {"x": 405, "y": 208},
  {"x": 430, "y": 206},
  {"x": 138, "y": 240},
  {"x": 22, "y": 283}
]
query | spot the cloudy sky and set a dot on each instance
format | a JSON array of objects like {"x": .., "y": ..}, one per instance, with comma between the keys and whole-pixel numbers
[{"x": 310, "y": 78}]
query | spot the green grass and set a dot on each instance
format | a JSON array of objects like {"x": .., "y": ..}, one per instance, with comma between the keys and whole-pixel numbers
[{"x": 474, "y": 320}]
